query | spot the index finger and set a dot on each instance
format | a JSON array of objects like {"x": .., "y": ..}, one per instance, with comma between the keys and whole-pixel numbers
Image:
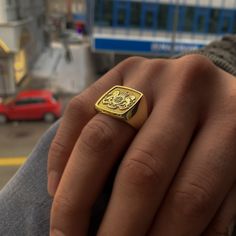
[{"x": 78, "y": 113}]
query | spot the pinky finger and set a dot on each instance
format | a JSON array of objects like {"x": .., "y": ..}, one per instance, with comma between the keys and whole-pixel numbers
[{"x": 223, "y": 224}]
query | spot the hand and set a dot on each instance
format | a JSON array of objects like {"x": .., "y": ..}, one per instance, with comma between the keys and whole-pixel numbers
[{"x": 177, "y": 176}]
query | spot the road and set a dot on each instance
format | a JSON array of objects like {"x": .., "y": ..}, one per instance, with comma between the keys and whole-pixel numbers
[{"x": 17, "y": 140}]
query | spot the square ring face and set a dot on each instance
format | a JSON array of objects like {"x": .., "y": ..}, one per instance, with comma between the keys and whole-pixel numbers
[{"x": 118, "y": 101}]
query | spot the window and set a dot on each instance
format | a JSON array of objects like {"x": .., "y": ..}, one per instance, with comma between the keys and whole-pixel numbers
[
  {"x": 4, "y": 69},
  {"x": 201, "y": 20},
  {"x": 188, "y": 19},
  {"x": 121, "y": 19},
  {"x": 37, "y": 100},
  {"x": 28, "y": 101},
  {"x": 214, "y": 20},
  {"x": 234, "y": 26},
  {"x": 226, "y": 21},
  {"x": 135, "y": 14},
  {"x": 149, "y": 19},
  {"x": 22, "y": 102},
  {"x": 103, "y": 12},
  {"x": 149, "y": 15},
  {"x": 121, "y": 13},
  {"x": 162, "y": 17}
]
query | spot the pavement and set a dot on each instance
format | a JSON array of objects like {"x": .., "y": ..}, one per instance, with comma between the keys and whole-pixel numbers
[
  {"x": 17, "y": 140},
  {"x": 63, "y": 76}
]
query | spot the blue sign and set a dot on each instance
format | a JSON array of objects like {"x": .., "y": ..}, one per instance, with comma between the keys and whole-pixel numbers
[{"x": 138, "y": 46}]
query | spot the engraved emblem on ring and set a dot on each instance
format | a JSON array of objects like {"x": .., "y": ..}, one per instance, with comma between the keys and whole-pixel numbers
[{"x": 119, "y": 100}]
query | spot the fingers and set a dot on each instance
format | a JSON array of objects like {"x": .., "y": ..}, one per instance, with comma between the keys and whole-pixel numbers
[
  {"x": 101, "y": 142},
  {"x": 95, "y": 153},
  {"x": 203, "y": 181},
  {"x": 148, "y": 168},
  {"x": 79, "y": 112},
  {"x": 225, "y": 219}
]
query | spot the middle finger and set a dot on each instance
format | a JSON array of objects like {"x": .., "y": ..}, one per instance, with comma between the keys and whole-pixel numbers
[
  {"x": 101, "y": 143},
  {"x": 149, "y": 167}
]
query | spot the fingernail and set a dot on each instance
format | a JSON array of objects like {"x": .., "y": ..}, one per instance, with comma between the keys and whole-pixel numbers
[
  {"x": 56, "y": 232},
  {"x": 53, "y": 181},
  {"x": 231, "y": 228}
]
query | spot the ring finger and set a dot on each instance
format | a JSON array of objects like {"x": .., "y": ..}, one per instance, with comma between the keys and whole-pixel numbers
[
  {"x": 96, "y": 151},
  {"x": 148, "y": 168}
]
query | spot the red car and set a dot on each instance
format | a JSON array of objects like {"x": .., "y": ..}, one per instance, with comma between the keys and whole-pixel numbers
[{"x": 31, "y": 105}]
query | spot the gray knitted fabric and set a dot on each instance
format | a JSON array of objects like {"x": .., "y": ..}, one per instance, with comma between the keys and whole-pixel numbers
[{"x": 222, "y": 53}]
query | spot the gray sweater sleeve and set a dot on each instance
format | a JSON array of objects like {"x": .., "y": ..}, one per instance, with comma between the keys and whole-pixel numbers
[{"x": 221, "y": 52}]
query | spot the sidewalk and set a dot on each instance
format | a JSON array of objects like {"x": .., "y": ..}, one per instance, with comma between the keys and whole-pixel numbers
[
  {"x": 46, "y": 64},
  {"x": 54, "y": 72}
]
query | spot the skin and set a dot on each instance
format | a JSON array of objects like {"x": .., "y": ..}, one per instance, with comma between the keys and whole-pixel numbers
[{"x": 176, "y": 174}]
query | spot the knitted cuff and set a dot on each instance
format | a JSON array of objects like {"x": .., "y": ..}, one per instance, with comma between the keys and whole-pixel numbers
[{"x": 222, "y": 53}]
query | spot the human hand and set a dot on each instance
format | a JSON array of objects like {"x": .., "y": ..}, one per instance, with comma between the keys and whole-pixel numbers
[{"x": 177, "y": 176}]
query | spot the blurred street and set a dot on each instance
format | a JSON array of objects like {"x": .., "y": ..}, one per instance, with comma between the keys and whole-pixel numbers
[
  {"x": 17, "y": 140},
  {"x": 65, "y": 79}
]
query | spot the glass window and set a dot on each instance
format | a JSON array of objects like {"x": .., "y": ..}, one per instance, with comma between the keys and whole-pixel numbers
[
  {"x": 149, "y": 15},
  {"x": 225, "y": 25},
  {"x": 226, "y": 21},
  {"x": 162, "y": 17},
  {"x": 37, "y": 100},
  {"x": 201, "y": 20},
  {"x": 135, "y": 14},
  {"x": 103, "y": 12},
  {"x": 22, "y": 102},
  {"x": 121, "y": 17},
  {"x": 234, "y": 25},
  {"x": 200, "y": 23},
  {"x": 29, "y": 101},
  {"x": 188, "y": 19},
  {"x": 149, "y": 20},
  {"x": 4, "y": 73},
  {"x": 214, "y": 20}
]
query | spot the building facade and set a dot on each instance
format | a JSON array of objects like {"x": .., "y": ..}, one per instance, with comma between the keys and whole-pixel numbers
[
  {"x": 22, "y": 39},
  {"x": 159, "y": 27},
  {"x": 73, "y": 10}
]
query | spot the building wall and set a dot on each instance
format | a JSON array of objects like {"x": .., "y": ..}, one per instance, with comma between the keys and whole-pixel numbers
[
  {"x": 7, "y": 86},
  {"x": 7, "y": 11},
  {"x": 60, "y": 6},
  {"x": 22, "y": 29}
]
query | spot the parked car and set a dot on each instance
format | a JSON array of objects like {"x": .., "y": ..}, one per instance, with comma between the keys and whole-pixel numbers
[{"x": 31, "y": 105}]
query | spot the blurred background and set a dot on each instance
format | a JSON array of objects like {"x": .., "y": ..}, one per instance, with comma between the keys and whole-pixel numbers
[{"x": 51, "y": 50}]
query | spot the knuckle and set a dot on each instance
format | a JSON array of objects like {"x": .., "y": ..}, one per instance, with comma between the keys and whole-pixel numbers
[
  {"x": 62, "y": 208},
  {"x": 129, "y": 63},
  {"x": 155, "y": 65},
  {"x": 197, "y": 64},
  {"x": 142, "y": 169},
  {"x": 196, "y": 72},
  {"x": 76, "y": 104},
  {"x": 57, "y": 148},
  {"x": 96, "y": 136},
  {"x": 132, "y": 60},
  {"x": 192, "y": 201}
]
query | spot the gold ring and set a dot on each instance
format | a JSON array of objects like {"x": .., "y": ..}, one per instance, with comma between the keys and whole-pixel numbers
[{"x": 124, "y": 103}]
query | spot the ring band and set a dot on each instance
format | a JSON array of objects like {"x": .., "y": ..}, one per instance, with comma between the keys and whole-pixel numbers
[{"x": 124, "y": 103}]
